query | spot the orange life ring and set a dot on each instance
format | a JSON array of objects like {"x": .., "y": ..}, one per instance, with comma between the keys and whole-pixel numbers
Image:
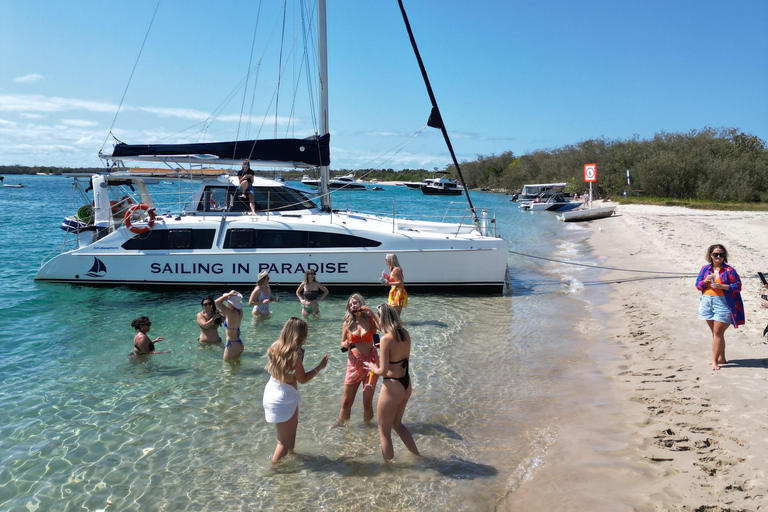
[{"x": 143, "y": 229}]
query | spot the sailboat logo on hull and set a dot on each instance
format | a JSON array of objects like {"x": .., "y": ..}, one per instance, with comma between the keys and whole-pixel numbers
[{"x": 99, "y": 269}]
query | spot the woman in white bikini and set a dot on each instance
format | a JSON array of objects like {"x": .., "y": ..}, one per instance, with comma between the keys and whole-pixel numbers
[{"x": 281, "y": 395}]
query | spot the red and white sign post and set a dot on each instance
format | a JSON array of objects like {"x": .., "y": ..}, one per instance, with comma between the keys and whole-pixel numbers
[{"x": 590, "y": 176}]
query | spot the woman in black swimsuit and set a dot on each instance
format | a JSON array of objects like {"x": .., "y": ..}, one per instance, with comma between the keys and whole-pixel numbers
[
  {"x": 142, "y": 345},
  {"x": 307, "y": 293},
  {"x": 396, "y": 385}
]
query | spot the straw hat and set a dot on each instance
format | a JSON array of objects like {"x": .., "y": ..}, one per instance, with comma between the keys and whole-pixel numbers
[
  {"x": 236, "y": 300},
  {"x": 262, "y": 275}
]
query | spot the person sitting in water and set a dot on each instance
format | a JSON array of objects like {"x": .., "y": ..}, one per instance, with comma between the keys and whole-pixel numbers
[
  {"x": 231, "y": 305},
  {"x": 142, "y": 345},
  {"x": 209, "y": 320},
  {"x": 307, "y": 293}
]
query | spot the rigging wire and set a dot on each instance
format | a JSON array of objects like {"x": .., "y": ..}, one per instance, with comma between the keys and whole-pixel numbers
[
  {"x": 247, "y": 76},
  {"x": 135, "y": 64}
]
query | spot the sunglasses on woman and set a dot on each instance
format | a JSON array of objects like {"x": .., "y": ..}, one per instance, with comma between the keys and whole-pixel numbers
[{"x": 718, "y": 255}]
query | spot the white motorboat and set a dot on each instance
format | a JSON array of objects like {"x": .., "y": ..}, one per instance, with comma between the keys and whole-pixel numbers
[
  {"x": 346, "y": 182},
  {"x": 442, "y": 187},
  {"x": 585, "y": 214},
  {"x": 124, "y": 236},
  {"x": 531, "y": 191},
  {"x": 553, "y": 203}
]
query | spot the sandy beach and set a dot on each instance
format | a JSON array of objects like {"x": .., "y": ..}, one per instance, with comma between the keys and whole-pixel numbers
[{"x": 655, "y": 428}]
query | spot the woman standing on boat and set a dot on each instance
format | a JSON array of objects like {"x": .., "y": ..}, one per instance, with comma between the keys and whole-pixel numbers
[
  {"x": 142, "y": 345},
  {"x": 261, "y": 296},
  {"x": 307, "y": 293},
  {"x": 281, "y": 395},
  {"x": 398, "y": 298},
  {"x": 209, "y": 320},
  {"x": 360, "y": 325},
  {"x": 231, "y": 306},
  {"x": 396, "y": 383},
  {"x": 720, "y": 304}
]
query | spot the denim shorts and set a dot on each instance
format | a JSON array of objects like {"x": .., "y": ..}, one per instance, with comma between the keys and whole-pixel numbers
[{"x": 714, "y": 307}]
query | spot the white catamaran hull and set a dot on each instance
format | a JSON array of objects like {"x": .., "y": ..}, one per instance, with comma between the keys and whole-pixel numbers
[{"x": 434, "y": 259}]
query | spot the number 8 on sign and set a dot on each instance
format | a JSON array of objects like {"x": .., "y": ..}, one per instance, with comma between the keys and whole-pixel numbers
[{"x": 590, "y": 172}]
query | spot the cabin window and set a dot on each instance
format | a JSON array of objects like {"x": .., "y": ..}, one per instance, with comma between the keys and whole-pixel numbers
[
  {"x": 240, "y": 238},
  {"x": 217, "y": 199},
  {"x": 171, "y": 239},
  {"x": 291, "y": 239}
]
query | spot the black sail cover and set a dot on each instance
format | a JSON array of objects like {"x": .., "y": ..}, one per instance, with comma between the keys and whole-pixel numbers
[{"x": 311, "y": 151}]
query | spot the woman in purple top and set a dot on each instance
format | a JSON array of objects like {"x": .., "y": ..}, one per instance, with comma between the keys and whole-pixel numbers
[{"x": 720, "y": 304}]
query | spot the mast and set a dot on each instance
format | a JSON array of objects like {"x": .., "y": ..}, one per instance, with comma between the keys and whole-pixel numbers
[
  {"x": 435, "y": 119},
  {"x": 322, "y": 49}
]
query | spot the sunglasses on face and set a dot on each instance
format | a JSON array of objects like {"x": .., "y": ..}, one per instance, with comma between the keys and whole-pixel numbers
[
  {"x": 148, "y": 323},
  {"x": 207, "y": 303},
  {"x": 718, "y": 255}
]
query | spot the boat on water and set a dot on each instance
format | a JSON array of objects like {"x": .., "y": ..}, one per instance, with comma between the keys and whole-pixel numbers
[
  {"x": 553, "y": 203},
  {"x": 346, "y": 182},
  {"x": 442, "y": 187},
  {"x": 14, "y": 186},
  {"x": 532, "y": 191},
  {"x": 122, "y": 235},
  {"x": 585, "y": 214}
]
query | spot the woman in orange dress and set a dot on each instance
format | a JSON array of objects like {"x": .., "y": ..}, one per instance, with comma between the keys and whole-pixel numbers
[
  {"x": 398, "y": 298},
  {"x": 360, "y": 326}
]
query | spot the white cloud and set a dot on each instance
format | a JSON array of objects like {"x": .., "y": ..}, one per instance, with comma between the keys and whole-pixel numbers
[
  {"x": 80, "y": 123},
  {"x": 28, "y": 79},
  {"x": 26, "y": 115},
  {"x": 38, "y": 103},
  {"x": 7, "y": 124}
]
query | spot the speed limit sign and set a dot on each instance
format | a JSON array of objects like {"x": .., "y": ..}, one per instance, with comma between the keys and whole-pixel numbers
[{"x": 590, "y": 172}]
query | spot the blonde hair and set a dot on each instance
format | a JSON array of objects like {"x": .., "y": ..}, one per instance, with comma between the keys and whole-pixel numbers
[
  {"x": 286, "y": 351},
  {"x": 391, "y": 260},
  {"x": 389, "y": 322},
  {"x": 712, "y": 248},
  {"x": 349, "y": 317}
]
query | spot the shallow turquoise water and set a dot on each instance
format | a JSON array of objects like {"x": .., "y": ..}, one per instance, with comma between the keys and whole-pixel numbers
[{"x": 84, "y": 426}]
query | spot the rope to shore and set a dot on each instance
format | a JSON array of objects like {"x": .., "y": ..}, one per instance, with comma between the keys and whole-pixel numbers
[{"x": 565, "y": 262}]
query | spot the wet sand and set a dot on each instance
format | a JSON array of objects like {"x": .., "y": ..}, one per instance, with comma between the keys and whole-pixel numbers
[{"x": 654, "y": 427}]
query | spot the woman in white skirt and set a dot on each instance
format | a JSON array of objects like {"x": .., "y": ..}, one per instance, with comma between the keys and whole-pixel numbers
[{"x": 281, "y": 395}]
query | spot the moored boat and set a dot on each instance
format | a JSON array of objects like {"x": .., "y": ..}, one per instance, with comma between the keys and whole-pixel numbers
[
  {"x": 586, "y": 214},
  {"x": 122, "y": 235}
]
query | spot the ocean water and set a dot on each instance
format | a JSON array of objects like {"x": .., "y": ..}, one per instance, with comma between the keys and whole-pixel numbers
[{"x": 84, "y": 427}]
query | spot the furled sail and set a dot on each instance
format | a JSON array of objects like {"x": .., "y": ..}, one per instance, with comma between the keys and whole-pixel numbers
[{"x": 312, "y": 151}]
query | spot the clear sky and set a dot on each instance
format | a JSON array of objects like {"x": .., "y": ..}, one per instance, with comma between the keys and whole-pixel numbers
[{"x": 508, "y": 75}]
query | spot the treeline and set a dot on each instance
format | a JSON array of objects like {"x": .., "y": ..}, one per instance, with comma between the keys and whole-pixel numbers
[
  {"x": 22, "y": 169},
  {"x": 709, "y": 164}
]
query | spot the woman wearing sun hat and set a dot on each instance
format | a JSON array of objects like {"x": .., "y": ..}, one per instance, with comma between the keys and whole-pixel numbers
[
  {"x": 231, "y": 305},
  {"x": 261, "y": 296},
  {"x": 720, "y": 304}
]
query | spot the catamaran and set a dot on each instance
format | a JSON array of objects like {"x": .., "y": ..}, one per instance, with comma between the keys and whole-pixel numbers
[{"x": 221, "y": 236}]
